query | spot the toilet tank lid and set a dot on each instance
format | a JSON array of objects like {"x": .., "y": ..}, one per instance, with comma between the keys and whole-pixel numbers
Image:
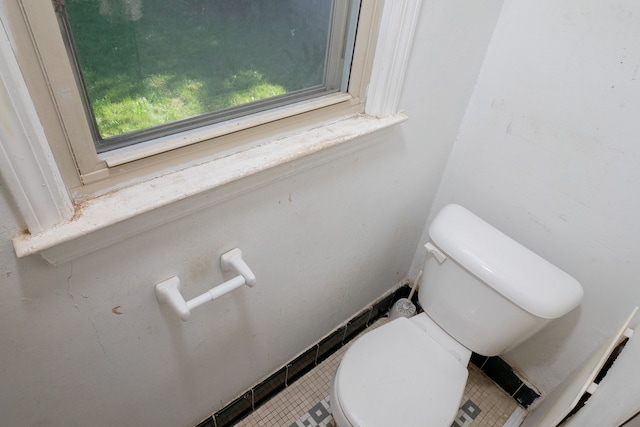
[{"x": 520, "y": 275}]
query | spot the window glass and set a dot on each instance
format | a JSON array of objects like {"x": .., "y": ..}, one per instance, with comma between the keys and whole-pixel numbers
[{"x": 152, "y": 67}]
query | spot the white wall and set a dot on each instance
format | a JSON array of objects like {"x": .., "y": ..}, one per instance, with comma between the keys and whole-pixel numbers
[
  {"x": 548, "y": 152},
  {"x": 323, "y": 243}
]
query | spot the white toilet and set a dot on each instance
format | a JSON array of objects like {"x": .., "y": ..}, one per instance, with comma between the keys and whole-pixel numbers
[{"x": 482, "y": 292}]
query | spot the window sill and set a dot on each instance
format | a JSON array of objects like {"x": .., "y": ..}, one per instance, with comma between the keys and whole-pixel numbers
[{"x": 123, "y": 213}]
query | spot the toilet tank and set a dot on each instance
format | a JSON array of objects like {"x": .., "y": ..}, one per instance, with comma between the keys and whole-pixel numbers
[{"x": 485, "y": 289}]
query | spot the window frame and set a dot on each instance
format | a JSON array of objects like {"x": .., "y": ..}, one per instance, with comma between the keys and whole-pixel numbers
[
  {"x": 62, "y": 106},
  {"x": 60, "y": 228}
]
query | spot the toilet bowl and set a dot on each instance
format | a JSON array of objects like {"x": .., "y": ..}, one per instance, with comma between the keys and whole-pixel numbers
[
  {"x": 402, "y": 382},
  {"x": 482, "y": 292}
]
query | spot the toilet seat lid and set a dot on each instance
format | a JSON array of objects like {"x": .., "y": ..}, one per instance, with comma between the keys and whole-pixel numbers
[{"x": 397, "y": 375}]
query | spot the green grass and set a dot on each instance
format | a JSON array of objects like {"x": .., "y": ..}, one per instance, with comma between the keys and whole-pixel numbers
[{"x": 184, "y": 58}]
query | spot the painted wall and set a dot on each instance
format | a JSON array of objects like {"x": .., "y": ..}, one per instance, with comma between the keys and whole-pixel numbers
[
  {"x": 87, "y": 342},
  {"x": 548, "y": 153}
]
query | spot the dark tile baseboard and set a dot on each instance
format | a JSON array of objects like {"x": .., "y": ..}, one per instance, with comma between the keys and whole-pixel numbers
[
  {"x": 506, "y": 378},
  {"x": 251, "y": 400},
  {"x": 494, "y": 367}
]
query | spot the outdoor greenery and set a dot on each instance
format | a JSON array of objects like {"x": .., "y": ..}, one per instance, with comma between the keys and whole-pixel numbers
[{"x": 173, "y": 59}]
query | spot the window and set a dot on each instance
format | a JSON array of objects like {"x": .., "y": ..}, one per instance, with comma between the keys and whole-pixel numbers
[
  {"x": 135, "y": 86},
  {"x": 48, "y": 157},
  {"x": 152, "y": 69}
]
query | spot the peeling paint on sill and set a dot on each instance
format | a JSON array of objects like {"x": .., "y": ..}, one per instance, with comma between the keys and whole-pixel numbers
[{"x": 115, "y": 216}]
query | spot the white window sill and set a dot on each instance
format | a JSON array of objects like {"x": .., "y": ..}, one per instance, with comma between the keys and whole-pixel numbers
[{"x": 123, "y": 213}]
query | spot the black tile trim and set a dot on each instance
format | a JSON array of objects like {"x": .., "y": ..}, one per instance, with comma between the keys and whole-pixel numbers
[
  {"x": 330, "y": 344},
  {"x": 207, "y": 423},
  {"x": 286, "y": 375},
  {"x": 269, "y": 387},
  {"x": 506, "y": 378},
  {"x": 502, "y": 374},
  {"x": 525, "y": 395},
  {"x": 235, "y": 411},
  {"x": 478, "y": 360},
  {"x": 357, "y": 325},
  {"x": 380, "y": 308},
  {"x": 302, "y": 364}
]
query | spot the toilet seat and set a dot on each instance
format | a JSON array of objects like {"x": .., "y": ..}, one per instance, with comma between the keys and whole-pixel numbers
[{"x": 398, "y": 375}]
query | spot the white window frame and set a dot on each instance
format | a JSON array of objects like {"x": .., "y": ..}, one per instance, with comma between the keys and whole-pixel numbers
[
  {"x": 60, "y": 229},
  {"x": 62, "y": 110}
]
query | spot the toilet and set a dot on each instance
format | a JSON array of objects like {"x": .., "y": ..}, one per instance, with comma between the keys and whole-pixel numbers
[{"x": 481, "y": 292}]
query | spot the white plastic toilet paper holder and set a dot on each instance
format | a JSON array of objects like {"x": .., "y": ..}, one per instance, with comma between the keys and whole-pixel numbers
[{"x": 168, "y": 291}]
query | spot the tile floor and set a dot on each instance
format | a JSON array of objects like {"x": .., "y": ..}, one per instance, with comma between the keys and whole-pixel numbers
[{"x": 292, "y": 406}]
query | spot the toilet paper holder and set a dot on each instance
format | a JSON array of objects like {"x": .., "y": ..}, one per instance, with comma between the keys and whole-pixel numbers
[{"x": 168, "y": 291}]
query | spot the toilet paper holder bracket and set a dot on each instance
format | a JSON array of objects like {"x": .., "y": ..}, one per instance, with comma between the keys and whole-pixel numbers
[{"x": 168, "y": 291}]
